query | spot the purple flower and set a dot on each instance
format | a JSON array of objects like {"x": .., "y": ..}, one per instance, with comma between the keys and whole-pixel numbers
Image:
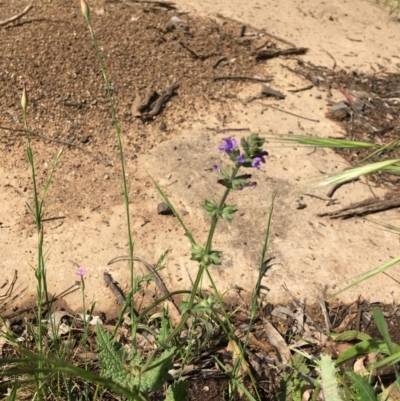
[
  {"x": 262, "y": 154},
  {"x": 240, "y": 159},
  {"x": 257, "y": 162},
  {"x": 81, "y": 272},
  {"x": 229, "y": 145},
  {"x": 253, "y": 184},
  {"x": 216, "y": 168}
]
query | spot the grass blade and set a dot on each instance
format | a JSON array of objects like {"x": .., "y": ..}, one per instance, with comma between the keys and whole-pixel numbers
[
  {"x": 362, "y": 386},
  {"x": 176, "y": 214},
  {"x": 350, "y": 174},
  {"x": 314, "y": 141},
  {"x": 368, "y": 275}
]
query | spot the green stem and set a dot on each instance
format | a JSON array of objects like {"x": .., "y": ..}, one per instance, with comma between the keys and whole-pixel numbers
[
  {"x": 203, "y": 266},
  {"x": 124, "y": 181},
  {"x": 39, "y": 272}
]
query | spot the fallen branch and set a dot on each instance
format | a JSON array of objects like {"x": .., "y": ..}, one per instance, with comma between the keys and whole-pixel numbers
[
  {"x": 288, "y": 112},
  {"x": 259, "y": 30},
  {"x": 239, "y": 78},
  {"x": 219, "y": 61},
  {"x": 166, "y": 4},
  {"x": 313, "y": 79},
  {"x": 227, "y": 129},
  {"x": 15, "y": 17},
  {"x": 367, "y": 206},
  {"x": 113, "y": 286},
  {"x": 306, "y": 88},
  {"x": 332, "y": 191},
  {"x": 272, "y": 53},
  {"x": 195, "y": 55},
  {"x": 150, "y": 270},
  {"x": 164, "y": 97},
  {"x": 268, "y": 91}
]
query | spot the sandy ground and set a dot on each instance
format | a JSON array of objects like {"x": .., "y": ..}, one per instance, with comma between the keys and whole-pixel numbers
[{"x": 313, "y": 256}]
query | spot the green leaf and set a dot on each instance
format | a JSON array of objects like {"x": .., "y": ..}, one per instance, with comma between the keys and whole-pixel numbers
[
  {"x": 177, "y": 392},
  {"x": 157, "y": 374},
  {"x": 211, "y": 207},
  {"x": 113, "y": 357},
  {"x": 362, "y": 389},
  {"x": 362, "y": 348},
  {"x": 329, "y": 383},
  {"x": 227, "y": 212},
  {"x": 390, "y": 360},
  {"x": 215, "y": 257},
  {"x": 252, "y": 146},
  {"x": 382, "y": 327},
  {"x": 197, "y": 253},
  {"x": 350, "y": 335}
]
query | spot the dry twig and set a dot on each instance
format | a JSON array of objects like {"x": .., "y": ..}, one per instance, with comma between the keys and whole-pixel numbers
[
  {"x": 363, "y": 208},
  {"x": 240, "y": 77},
  {"x": 288, "y": 112},
  {"x": 15, "y": 17},
  {"x": 272, "y": 53},
  {"x": 166, "y": 4}
]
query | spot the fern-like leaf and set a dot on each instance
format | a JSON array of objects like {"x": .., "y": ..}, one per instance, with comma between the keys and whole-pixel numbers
[
  {"x": 329, "y": 383},
  {"x": 115, "y": 366},
  {"x": 113, "y": 357}
]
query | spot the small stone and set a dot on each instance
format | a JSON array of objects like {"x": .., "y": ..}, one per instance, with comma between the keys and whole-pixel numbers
[
  {"x": 301, "y": 205},
  {"x": 318, "y": 96},
  {"x": 85, "y": 139},
  {"x": 164, "y": 209},
  {"x": 162, "y": 127},
  {"x": 184, "y": 212}
]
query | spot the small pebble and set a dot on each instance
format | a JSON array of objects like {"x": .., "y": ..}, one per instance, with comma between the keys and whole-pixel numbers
[
  {"x": 164, "y": 209},
  {"x": 301, "y": 205},
  {"x": 85, "y": 139}
]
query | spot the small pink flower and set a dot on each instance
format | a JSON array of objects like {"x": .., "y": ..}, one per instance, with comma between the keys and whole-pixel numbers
[{"x": 81, "y": 272}]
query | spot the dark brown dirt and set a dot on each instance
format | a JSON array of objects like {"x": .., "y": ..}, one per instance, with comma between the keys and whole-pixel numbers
[
  {"x": 50, "y": 49},
  {"x": 372, "y": 114}
]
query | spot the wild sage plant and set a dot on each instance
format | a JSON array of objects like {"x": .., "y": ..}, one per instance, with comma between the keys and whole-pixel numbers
[{"x": 250, "y": 156}]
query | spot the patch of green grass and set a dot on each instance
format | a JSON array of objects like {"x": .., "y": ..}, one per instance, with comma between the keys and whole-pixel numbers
[{"x": 392, "y": 5}]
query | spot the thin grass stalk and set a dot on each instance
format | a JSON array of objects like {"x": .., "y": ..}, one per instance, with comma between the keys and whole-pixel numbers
[
  {"x": 368, "y": 275},
  {"x": 322, "y": 142},
  {"x": 85, "y": 10},
  {"x": 39, "y": 271},
  {"x": 254, "y": 304}
]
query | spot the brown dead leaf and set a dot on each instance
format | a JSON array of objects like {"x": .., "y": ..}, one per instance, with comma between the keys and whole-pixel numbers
[{"x": 277, "y": 341}]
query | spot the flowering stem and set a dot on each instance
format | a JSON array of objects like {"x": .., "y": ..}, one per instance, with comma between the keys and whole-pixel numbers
[
  {"x": 203, "y": 266},
  {"x": 122, "y": 159}
]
